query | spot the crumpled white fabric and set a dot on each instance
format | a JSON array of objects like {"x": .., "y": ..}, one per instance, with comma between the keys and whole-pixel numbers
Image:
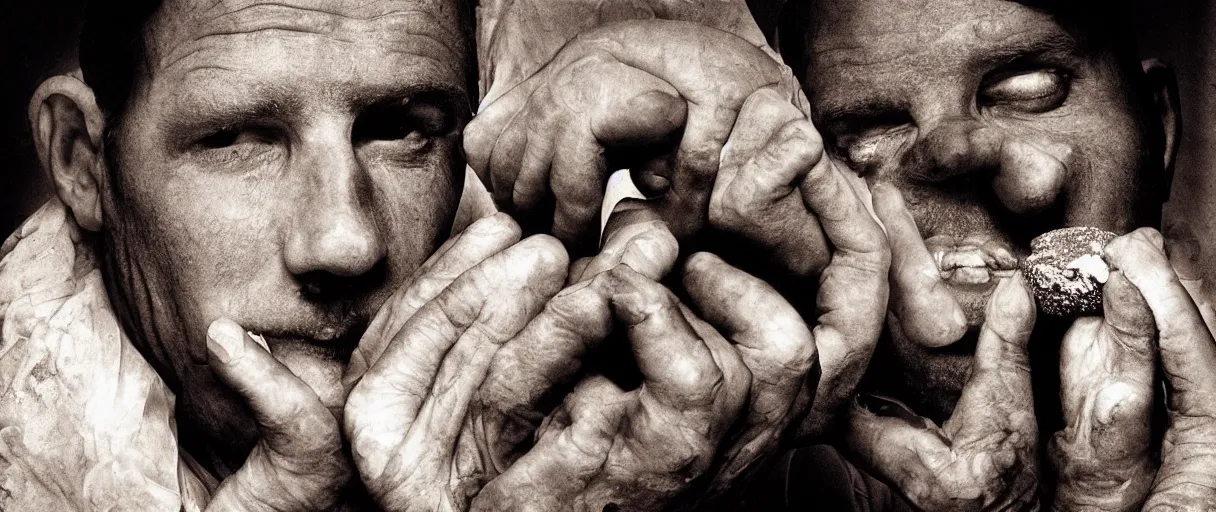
[{"x": 85, "y": 422}]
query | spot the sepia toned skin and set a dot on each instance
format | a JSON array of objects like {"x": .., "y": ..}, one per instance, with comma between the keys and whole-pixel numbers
[
  {"x": 280, "y": 182},
  {"x": 980, "y": 124}
]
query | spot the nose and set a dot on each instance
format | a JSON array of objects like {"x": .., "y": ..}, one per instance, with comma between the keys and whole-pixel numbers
[
  {"x": 1026, "y": 177},
  {"x": 334, "y": 231}
]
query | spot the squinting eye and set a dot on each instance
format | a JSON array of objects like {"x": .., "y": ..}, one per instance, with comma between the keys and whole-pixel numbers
[
  {"x": 232, "y": 137},
  {"x": 1034, "y": 91}
]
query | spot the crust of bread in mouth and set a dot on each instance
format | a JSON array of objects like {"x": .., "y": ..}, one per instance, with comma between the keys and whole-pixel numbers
[{"x": 1065, "y": 270}]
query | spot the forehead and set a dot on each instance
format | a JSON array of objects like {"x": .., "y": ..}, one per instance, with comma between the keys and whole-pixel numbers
[
  {"x": 328, "y": 45},
  {"x": 884, "y": 40}
]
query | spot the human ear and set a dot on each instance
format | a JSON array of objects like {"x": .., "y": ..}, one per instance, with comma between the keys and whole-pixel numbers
[
  {"x": 1162, "y": 85},
  {"x": 67, "y": 126}
]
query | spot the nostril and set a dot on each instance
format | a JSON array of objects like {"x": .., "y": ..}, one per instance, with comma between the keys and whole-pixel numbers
[{"x": 323, "y": 286}]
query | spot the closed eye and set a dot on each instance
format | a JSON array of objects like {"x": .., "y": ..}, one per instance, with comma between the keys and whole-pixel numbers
[{"x": 1031, "y": 91}]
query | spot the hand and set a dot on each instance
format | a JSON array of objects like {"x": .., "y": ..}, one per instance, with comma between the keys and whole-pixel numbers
[
  {"x": 550, "y": 133},
  {"x": 406, "y": 416},
  {"x": 637, "y": 450},
  {"x": 984, "y": 457},
  {"x": 1102, "y": 457},
  {"x": 298, "y": 464},
  {"x": 1103, "y": 454},
  {"x": 772, "y": 341},
  {"x": 518, "y": 37}
]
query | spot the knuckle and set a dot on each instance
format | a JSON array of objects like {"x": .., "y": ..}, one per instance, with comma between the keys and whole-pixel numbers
[
  {"x": 547, "y": 255},
  {"x": 698, "y": 384},
  {"x": 802, "y": 141},
  {"x": 497, "y": 223}
]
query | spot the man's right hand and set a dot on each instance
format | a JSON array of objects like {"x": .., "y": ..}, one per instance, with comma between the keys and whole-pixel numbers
[{"x": 298, "y": 463}]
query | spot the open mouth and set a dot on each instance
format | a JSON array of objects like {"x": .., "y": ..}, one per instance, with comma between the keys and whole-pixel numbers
[{"x": 329, "y": 343}]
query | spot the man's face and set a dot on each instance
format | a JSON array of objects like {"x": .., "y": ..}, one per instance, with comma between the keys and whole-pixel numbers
[
  {"x": 995, "y": 124},
  {"x": 286, "y": 165}
]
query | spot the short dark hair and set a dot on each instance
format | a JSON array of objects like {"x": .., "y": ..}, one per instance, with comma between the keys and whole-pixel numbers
[{"x": 112, "y": 49}]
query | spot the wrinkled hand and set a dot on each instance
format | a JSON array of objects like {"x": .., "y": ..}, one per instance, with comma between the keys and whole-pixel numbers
[
  {"x": 585, "y": 437},
  {"x": 298, "y": 464},
  {"x": 542, "y": 146},
  {"x": 641, "y": 449},
  {"x": 406, "y": 416},
  {"x": 515, "y": 38},
  {"x": 984, "y": 457},
  {"x": 1103, "y": 455}
]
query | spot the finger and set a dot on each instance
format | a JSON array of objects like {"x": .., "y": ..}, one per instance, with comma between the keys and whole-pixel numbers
[
  {"x": 1187, "y": 477},
  {"x": 298, "y": 463},
  {"x": 483, "y": 131},
  {"x": 712, "y": 110},
  {"x": 636, "y": 237},
  {"x": 852, "y": 297},
  {"x": 754, "y": 198},
  {"x": 920, "y": 302},
  {"x": 479, "y": 241},
  {"x": 535, "y": 366},
  {"x": 578, "y": 177},
  {"x": 531, "y": 180},
  {"x": 995, "y": 413},
  {"x": 639, "y": 111},
  {"x": 431, "y": 368},
  {"x": 553, "y": 472},
  {"x": 661, "y": 449},
  {"x": 984, "y": 457},
  {"x": 901, "y": 448},
  {"x": 773, "y": 342},
  {"x": 508, "y": 153},
  {"x": 634, "y": 109},
  {"x": 1188, "y": 352}
]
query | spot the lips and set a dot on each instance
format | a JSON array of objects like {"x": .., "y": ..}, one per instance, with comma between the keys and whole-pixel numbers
[
  {"x": 334, "y": 343},
  {"x": 973, "y": 260}
]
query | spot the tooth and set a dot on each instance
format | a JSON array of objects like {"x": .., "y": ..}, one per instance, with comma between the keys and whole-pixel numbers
[
  {"x": 1000, "y": 254},
  {"x": 956, "y": 259},
  {"x": 972, "y": 275},
  {"x": 937, "y": 257}
]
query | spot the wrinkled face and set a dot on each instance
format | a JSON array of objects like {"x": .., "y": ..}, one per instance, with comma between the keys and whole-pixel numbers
[
  {"x": 995, "y": 124},
  {"x": 286, "y": 165}
]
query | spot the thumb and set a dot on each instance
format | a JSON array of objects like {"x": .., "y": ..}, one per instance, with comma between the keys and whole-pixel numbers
[{"x": 298, "y": 463}]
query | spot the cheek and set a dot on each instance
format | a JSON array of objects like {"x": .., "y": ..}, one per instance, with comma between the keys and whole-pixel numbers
[
  {"x": 1096, "y": 137},
  {"x": 415, "y": 207},
  {"x": 191, "y": 247}
]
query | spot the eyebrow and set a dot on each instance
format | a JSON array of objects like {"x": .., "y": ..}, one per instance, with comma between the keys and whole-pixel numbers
[
  {"x": 1055, "y": 43},
  {"x": 868, "y": 108}
]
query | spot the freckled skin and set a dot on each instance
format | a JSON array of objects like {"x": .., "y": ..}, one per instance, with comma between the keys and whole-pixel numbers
[
  {"x": 925, "y": 72},
  {"x": 306, "y": 212}
]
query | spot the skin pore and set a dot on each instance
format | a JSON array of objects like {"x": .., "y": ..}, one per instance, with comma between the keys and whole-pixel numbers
[
  {"x": 285, "y": 165},
  {"x": 995, "y": 124}
]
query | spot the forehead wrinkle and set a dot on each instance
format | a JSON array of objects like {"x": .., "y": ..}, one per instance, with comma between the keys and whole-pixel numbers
[
  {"x": 853, "y": 35},
  {"x": 428, "y": 33}
]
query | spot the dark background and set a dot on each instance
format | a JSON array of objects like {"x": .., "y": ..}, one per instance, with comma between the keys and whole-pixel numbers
[{"x": 39, "y": 41}]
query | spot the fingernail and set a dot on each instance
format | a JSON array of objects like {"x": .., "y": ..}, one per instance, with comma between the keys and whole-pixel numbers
[{"x": 225, "y": 340}]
